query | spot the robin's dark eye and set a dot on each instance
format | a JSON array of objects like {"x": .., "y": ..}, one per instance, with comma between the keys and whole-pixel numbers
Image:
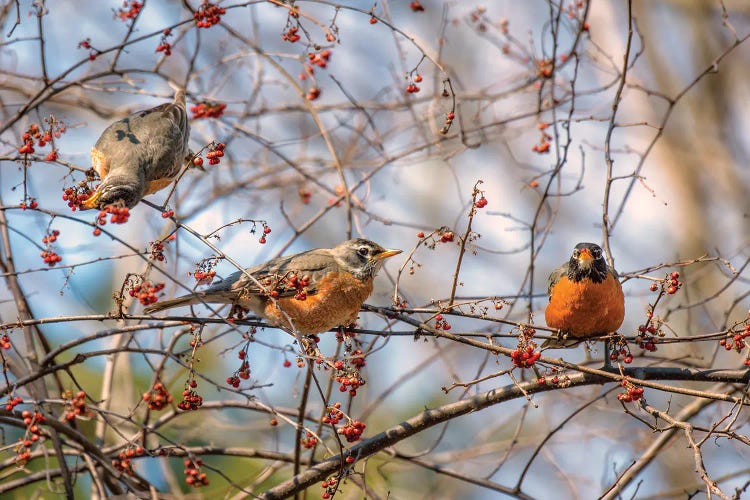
[
  {"x": 363, "y": 251},
  {"x": 597, "y": 253},
  {"x": 576, "y": 253}
]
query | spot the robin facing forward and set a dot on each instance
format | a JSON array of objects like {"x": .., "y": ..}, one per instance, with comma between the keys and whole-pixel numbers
[
  {"x": 140, "y": 154},
  {"x": 585, "y": 297},
  {"x": 318, "y": 289}
]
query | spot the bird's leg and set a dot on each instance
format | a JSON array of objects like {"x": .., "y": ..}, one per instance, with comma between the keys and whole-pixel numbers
[
  {"x": 607, "y": 361},
  {"x": 310, "y": 346}
]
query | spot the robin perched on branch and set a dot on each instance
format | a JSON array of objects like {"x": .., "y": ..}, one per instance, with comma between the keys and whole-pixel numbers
[
  {"x": 140, "y": 154},
  {"x": 317, "y": 290},
  {"x": 585, "y": 297}
]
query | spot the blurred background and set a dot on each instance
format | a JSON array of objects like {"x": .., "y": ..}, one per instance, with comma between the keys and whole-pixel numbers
[{"x": 530, "y": 87}]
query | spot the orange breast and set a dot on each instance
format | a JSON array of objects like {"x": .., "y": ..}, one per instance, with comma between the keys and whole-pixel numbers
[
  {"x": 585, "y": 308},
  {"x": 100, "y": 163},
  {"x": 337, "y": 302}
]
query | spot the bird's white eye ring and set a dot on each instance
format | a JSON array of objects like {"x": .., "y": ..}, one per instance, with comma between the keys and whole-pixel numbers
[
  {"x": 576, "y": 253},
  {"x": 363, "y": 251}
]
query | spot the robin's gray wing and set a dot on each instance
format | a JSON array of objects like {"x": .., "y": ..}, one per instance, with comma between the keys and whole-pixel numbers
[
  {"x": 555, "y": 277},
  {"x": 239, "y": 288},
  {"x": 154, "y": 140},
  {"x": 313, "y": 264}
]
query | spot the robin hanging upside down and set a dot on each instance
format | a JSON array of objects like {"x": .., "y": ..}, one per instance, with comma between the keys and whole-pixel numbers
[
  {"x": 140, "y": 154},
  {"x": 318, "y": 289},
  {"x": 585, "y": 297}
]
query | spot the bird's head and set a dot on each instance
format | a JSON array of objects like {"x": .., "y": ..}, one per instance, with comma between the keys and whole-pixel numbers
[
  {"x": 360, "y": 257},
  {"x": 114, "y": 191},
  {"x": 587, "y": 261}
]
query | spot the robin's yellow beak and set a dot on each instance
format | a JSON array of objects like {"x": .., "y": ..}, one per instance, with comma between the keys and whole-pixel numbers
[
  {"x": 93, "y": 200},
  {"x": 585, "y": 255},
  {"x": 385, "y": 254}
]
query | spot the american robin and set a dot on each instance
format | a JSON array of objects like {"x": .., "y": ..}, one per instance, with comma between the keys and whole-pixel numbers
[
  {"x": 140, "y": 154},
  {"x": 585, "y": 297},
  {"x": 318, "y": 289}
]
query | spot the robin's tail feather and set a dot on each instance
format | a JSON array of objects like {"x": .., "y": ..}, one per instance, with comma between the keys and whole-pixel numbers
[{"x": 185, "y": 300}]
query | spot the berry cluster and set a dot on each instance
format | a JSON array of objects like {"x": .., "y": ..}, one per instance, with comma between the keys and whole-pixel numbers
[
  {"x": 416, "y": 6},
  {"x": 191, "y": 400},
  {"x": 86, "y": 44},
  {"x": 215, "y": 152},
  {"x": 156, "y": 249},
  {"x": 313, "y": 93},
  {"x": 118, "y": 215},
  {"x": 129, "y": 10},
  {"x": 158, "y": 397},
  {"x": 329, "y": 488},
  {"x": 33, "y": 433},
  {"x": 266, "y": 231},
  {"x": 234, "y": 380},
  {"x": 164, "y": 45},
  {"x": 12, "y": 403},
  {"x": 334, "y": 415},
  {"x": 208, "y": 15},
  {"x": 207, "y": 110},
  {"x": 413, "y": 88},
  {"x": 33, "y": 204},
  {"x": 737, "y": 342},
  {"x": 524, "y": 355},
  {"x": 204, "y": 277},
  {"x": 75, "y": 196},
  {"x": 124, "y": 460},
  {"x": 243, "y": 372},
  {"x": 309, "y": 441},
  {"x": 291, "y": 35},
  {"x": 288, "y": 283},
  {"x": 358, "y": 359},
  {"x": 319, "y": 59},
  {"x": 50, "y": 257},
  {"x": 524, "y": 358},
  {"x": 617, "y": 351},
  {"x": 446, "y": 236},
  {"x": 633, "y": 393},
  {"x": 481, "y": 202},
  {"x": 5, "y": 342},
  {"x": 76, "y": 405},
  {"x": 441, "y": 324},
  {"x": 351, "y": 381},
  {"x": 647, "y": 337},
  {"x": 449, "y": 117},
  {"x": 146, "y": 292},
  {"x": 352, "y": 431},
  {"x": 51, "y": 237},
  {"x": 193, "y": 476},
  {"x": 669, "y": 285},
  {"x": 544, "y": 142},
  {"x": 563, "y": 381},
  {"x": 42, "y": 136}
]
